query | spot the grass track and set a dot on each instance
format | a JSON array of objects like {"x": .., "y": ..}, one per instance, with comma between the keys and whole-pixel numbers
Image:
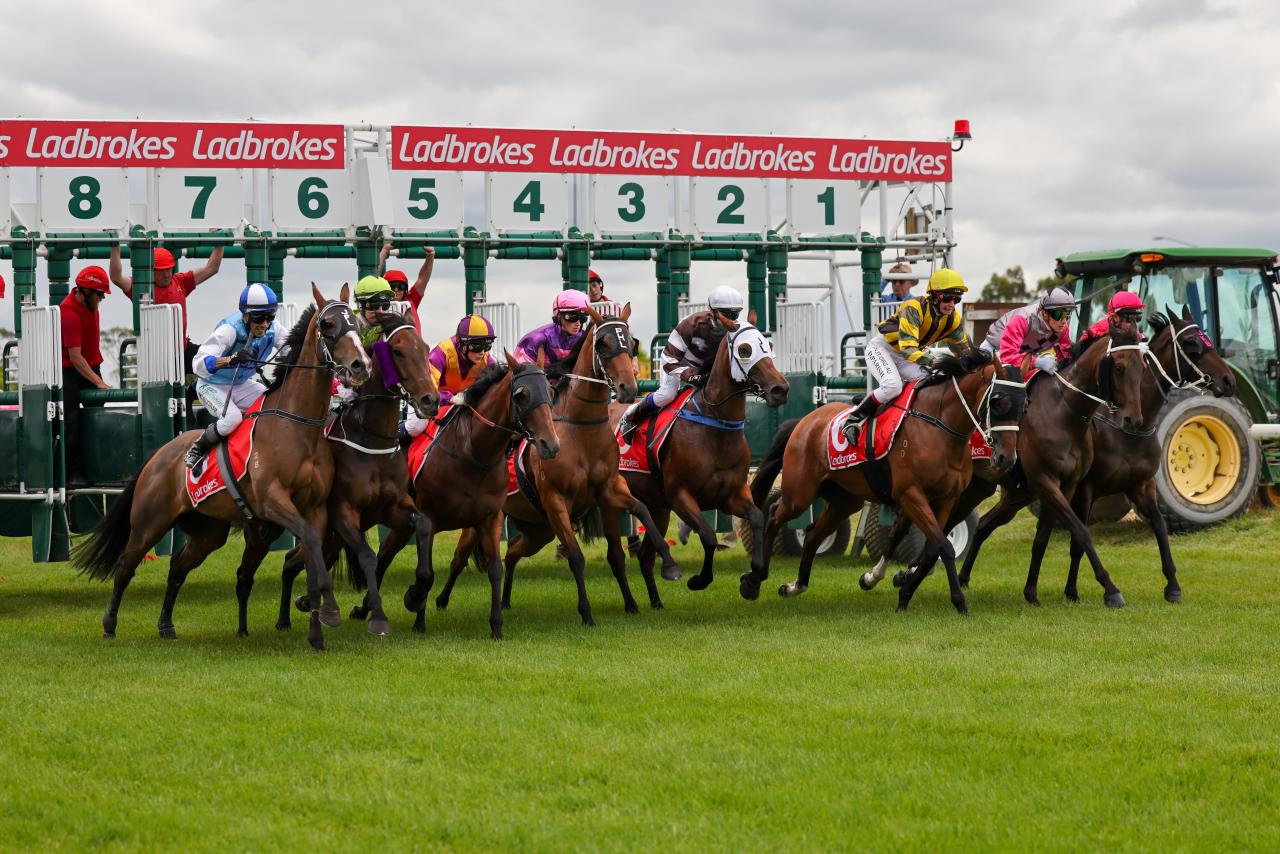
[{"x": 827, "y": 721}]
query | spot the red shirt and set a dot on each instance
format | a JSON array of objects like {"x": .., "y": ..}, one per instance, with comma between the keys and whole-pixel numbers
[
  {"x": 415, "y": 300},
  {"x": 177, "y": 290},
  {"x": 79, "y": 329}
]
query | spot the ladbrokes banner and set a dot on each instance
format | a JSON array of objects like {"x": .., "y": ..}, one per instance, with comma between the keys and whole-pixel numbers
[
  {"x": 452, "y": 149},
  {"x": 209, "y": 145}
]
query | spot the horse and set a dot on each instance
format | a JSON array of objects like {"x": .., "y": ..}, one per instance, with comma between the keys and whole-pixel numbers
[
  {"x": 1055, "y": 452},
  {"x": 285, "y": 485},
  {"x": 959, "y": 394},
  {"x": 370, "y": 484},
  {"x": 506, "y": 402},
  {"x": 1126, "y": 461},
  {"x": 705, "y": 461},
  {"x": 585, "y": 472}
]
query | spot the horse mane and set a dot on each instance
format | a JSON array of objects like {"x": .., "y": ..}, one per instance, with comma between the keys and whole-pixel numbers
[
  {"x": 1078, "y": 349},
  {"x": 391, "y": 321},
  {"x": 485, "y": 380},
  {"x": 951, "y": 366},
  {"x": 556, "y": 370},
  {"x": 293, "y": 341}
]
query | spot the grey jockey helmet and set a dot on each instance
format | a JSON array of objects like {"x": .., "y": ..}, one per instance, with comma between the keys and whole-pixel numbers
[{"x": 1057, "y": 299}]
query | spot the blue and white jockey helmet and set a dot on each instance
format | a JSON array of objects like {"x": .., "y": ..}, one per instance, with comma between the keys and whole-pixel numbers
[{"x": 257, "y": 298}]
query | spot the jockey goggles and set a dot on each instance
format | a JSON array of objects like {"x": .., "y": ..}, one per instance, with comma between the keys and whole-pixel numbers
[
  {"x": 477, "y": 345},
  {"x": 729, "y": 313},
  {"x": 1058, "y": 313},
  {"x": 1131, "y": 314},
  {"x": 379, "y": 303},
  {"x": 260, "y": 316},
  {"x": 573, "y": 316},
  {"x": 949, "y": 296}
]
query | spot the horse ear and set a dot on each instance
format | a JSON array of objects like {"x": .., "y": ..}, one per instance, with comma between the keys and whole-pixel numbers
[
  {"x": 751, "y": 317},
  {"x": 319, "y": 297},
  {"x": 511, "y": 362},
  {"x": 346, "y": 292},
  {"x": 626, "y": 312},
  {"x": 1157, "y": 320},
  {"x": 1186, "y": 313}
]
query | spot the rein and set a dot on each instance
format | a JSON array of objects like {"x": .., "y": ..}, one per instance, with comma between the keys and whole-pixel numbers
[
  {"x": 1111, "y": 407},
  {"x": 328, "y": 364}
]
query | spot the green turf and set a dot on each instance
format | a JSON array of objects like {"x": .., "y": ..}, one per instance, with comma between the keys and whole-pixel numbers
[{"x": 827, "y": 721}]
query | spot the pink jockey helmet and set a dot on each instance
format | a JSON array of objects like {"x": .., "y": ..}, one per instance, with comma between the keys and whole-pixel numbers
[
  {"x": 1125, "y": 301},
  {"x": 569, "y": 301}
]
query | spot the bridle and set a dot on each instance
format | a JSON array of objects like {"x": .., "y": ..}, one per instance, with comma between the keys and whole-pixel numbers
[
  {"x": 1141, "y": 347},
  {"x": 598, "y": 361},
  {"x": 327, "y": 362},
  {"x": 984, "y": 402},
  {"x": 749, "y": 386},
  {"x": 1202, "y": 380},
  {"x": 539, "y": 394}
]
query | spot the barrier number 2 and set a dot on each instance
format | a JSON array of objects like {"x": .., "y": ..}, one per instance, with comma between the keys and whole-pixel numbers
[
  {"x": 85, "y": 202},
  {"x": 732, "y": 194}
]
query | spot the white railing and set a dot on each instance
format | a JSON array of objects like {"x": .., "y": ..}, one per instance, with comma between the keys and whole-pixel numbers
[
  {"x": 608, "y": 308},
  {"x": 880, "y": 312},
  {"x": 10, "y": 365},
  {"x": 40, "y": 350},
  {"x": 800, "y": 339},
  {"x": 288, "y": 313},
  {"x": 687, "y": 308},
  {"x": 160, "y": 344},
  {"x": 505, "y": 317}
]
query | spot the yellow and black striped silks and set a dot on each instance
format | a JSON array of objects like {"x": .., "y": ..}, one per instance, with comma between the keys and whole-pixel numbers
[{"x": 917, "y": 324}]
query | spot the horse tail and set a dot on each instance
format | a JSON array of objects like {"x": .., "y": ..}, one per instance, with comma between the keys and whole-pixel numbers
[
  {"x": 771, "y": 466},
  {"x": 99, "y": 554},
  {"x": 349, "y": 562},
  {"x": 592, "y": 526}
]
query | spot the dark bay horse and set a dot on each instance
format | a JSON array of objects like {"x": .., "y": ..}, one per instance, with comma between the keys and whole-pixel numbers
[
  {"x": 705, "y": 462},
  {"x": 463, "y": 480},
  {"x": 285, "y": 486},
  {"x": 371, "y": 479},
  {"x": 584, "y": 474},
  {"x": 928, "y": 463},
  {"x": 1055, "y": 452},
  {"x": 1126, "y": 461}
]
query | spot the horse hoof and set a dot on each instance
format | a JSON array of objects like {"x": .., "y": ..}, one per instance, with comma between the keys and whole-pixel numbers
[
  {"x": 964, "y": 582},
  {"x": 303, "y": 604},
  {"x": 1173, "y": 597},
  {"x": 589, "y": 622},
  {"x": 672, "y": 573},
  {"x": 497, "y": 635},
  {"x": 864, "y": 581},
  {"x": 1032, "y": 599},
  {"x": 749, "y": 587},
  {"x": 358, "y": 612},
  {"x": 656, "y": 605},
  {"x": 442, "y": 603},
  {"x": 242, "y": 633},
  {"x": 698, "y": 582},
  {"x": 1114, "y": 600},
  {"x": 962, "y": 608},
  {"x": 786, "y": 591},
  {"x": 380, "y": 628},
  {"x": 902, "y": 609},
  {"x": 284, "y": 627},
  {"x": 900, "y": 578},
  {"x": 108, "y": 625},
  {"x": 168, "y": 633},
  {"x": 1072, "y": 595},
  {"x": 631, "y": 608}
]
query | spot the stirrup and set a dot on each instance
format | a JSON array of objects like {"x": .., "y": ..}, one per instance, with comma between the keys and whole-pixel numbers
[
  {"x": 195, "y": 458},
  {"x": 853, "y": 428}
]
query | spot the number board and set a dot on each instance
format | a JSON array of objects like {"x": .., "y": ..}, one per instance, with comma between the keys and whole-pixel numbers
[
  {"x": 824, "y": 207},
  {"x": 528, "y": 201},
  {"x": 426, "y": 201},
  {"x": 729, "y": 205},
  {"x": 629, "y": 203},
  {"x": 184, "y": 200},
  {"x": 82, "y": 199},
  {"x": 310, "y": 199}
]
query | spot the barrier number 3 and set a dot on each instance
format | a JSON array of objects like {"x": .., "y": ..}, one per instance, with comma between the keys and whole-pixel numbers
[
  {"x": 84, "y": 202},
  {"x": 634, "y": 211}
]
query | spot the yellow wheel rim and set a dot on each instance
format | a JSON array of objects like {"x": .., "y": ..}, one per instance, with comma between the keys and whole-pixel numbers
[
  {"x": 1273, "y": 493},
  {"x": 1203, "y": 459}
]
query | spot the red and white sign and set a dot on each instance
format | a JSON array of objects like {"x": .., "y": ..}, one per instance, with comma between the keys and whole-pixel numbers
[
  {"x": 208, "y": 145},
  {"x": 635, "y": 153}
]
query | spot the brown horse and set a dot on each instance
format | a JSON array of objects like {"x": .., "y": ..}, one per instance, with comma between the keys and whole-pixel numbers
[
  {"x": 285, "y": 486},
  {"x": 371, "y": 479},
  {"x": 1055, "y": 453},
  {"x": 928, "y": 466},
  {"x": 705, "y": 462},
  {"x": 506, "y": 402},
  {"x": 585, "y": 472},
  {"x": 1126, "y": 461}
]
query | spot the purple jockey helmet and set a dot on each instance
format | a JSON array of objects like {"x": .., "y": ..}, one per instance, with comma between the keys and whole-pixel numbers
[{"x": 475, "y": 326}]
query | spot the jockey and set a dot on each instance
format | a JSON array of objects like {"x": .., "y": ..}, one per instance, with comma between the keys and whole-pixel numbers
[
  {"x": 456, "y": 362},
  {"x": 595, "y": 287},
  {"x": 373, "y": 297},
  {"x": 556, "y": 340},
  {"x": 227, "y": 361},
  {"x": 690, "y": 348},
  {"x": 897, "y": 352},
  {"x": 1036, "y": 333},
  {"x": 1124, "y": 312}
]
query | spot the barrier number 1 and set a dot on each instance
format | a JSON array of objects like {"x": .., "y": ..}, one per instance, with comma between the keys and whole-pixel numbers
[
  {"x": 827, "y": 198},
  {"x": 311, "y": 202},
  {"x": 530, "y": 201},
  {"x": 732, "y": 194},
  {"x": 634, "y": 211},
  {"x": 84, "y": 202},
  {"x": 204, "y": 185}
]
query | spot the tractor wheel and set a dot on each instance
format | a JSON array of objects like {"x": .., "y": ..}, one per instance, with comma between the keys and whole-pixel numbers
[{"x": 1209, "y": 470}]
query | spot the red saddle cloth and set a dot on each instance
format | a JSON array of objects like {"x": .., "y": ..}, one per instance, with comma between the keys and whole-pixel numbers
[
  {"x": 516, "y": 458},
  {"x": 649, "y": 436},
  {"x": 422, "y": 443},
  {"x": 978, "y": 447},
  {"x": 239, "y": 447},
  {"x": 842, "y": 455}
]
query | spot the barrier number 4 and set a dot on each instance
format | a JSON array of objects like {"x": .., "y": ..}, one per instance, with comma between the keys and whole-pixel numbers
[{"x": 530, "y": 201}]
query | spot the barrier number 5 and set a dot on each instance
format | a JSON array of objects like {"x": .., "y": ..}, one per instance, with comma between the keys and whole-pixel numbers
[
  {"x": 423, "y": 203},
  {"x": 85, "y": 202},
  {"x": 312, "y": 203},
  {"x": 530, "y": 201}
]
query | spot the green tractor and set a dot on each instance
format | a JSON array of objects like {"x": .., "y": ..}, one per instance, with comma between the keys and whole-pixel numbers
[{"x": 1217, "y": 450}]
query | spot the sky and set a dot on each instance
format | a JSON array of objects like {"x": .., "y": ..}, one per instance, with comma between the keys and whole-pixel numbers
[{"x": 1095, "y": 124}]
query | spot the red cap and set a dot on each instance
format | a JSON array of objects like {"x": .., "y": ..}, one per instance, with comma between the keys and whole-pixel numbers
[
  {"x": 593, "y": 276},
  {"x": 163, "y": 260},
  {"x": 394, "y": 276},
  {"x": 93, "y": 279}
]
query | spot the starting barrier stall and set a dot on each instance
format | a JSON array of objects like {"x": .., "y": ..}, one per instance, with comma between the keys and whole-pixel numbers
[{"x": 270, "y": 192}]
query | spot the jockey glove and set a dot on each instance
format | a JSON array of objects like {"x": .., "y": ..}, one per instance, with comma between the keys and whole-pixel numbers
[
  {"x": 925, "y": 360},
  {"x": 241, "y": 356},
  {"x": 1047, "y": 362},
  {"x": 693, "y": 379}
]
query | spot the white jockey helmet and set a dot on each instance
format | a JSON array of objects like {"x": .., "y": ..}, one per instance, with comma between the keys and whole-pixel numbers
[{"x": 725, "y": 297}]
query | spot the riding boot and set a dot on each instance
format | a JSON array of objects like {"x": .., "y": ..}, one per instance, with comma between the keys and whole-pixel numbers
[
  {"x": 201, "y": 446},
  {"x": 634, "y": 415},
  {"x": 853, "y": 423}
]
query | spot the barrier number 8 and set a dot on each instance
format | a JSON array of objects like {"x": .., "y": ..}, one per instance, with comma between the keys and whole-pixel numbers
[
  {"x": 311, "y": 202},
  {"x": 84, "y": 202}
]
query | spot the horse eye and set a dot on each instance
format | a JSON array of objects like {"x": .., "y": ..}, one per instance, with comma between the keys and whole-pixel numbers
[{"x": 744, "y": 351}]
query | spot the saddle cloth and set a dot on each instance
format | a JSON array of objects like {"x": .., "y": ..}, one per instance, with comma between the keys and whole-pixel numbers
[
  {"x": 421, "y": 443},
  {"x": 641, "y": 455},
  {"x": 239, "y": 447},
  {"x": 842, "y": 455}
]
